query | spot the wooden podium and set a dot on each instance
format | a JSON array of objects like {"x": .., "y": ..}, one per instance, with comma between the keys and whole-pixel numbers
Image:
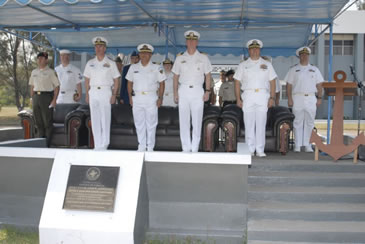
[{"x": 336, "y": 149}]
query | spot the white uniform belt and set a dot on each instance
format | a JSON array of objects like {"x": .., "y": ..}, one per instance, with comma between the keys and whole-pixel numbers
[
  {"x": 304, "y": 94},
  {"x": 67, "y": 91},
  {"x": 255, "y": 89},
  {"x": 191, "y": 85},
  {"x": 144, "y": 92},
  {"x": 101, "y": 87}
]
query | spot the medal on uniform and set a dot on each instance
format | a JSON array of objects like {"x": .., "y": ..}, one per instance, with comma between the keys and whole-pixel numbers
[
  {"x": 263, "y": 66},
  {"x": 106, "y": 65}
]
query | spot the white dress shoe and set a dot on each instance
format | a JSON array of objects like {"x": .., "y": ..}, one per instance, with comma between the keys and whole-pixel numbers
[
  {"x": 308, "y": 149},
  {"x": 296, "y": 149},
  {"x": 260, "y": 154}
]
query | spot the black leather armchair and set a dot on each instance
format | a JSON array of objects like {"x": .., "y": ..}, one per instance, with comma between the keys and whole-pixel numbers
[
  {"x": 234, "y": 130},
  {"x": 123, "y": 134},
  {"x": 68, "y": 126}
]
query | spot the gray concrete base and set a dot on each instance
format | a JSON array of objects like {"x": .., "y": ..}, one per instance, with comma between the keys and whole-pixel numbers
[
  {"x": 23, "y": 185},
  {"x": 35, "y": 142},
  {"x": 11, "y": 133},
  {"x": 201, "y": 201}
]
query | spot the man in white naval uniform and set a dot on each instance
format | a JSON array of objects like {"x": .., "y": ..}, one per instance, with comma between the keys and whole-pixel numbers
[
  {"x": 168, "y": 96},
  {"x": 303, "y": 81},
  {"x": 256, "y": 77},
  {"x": 190, "y": 70},
  {"x": 147, "y": 81},
  {"x": 101, "y": 84},
  {"x": 70, "y": 78}
]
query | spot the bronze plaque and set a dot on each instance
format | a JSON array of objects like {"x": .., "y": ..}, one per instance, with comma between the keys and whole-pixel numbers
[{"x": 91, "y": 188}]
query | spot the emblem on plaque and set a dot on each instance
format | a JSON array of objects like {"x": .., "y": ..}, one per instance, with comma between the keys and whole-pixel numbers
[{"x": 93, "y": 173}]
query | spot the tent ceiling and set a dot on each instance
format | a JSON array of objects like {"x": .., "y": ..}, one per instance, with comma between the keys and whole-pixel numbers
[{"x": 283, "y": 25}]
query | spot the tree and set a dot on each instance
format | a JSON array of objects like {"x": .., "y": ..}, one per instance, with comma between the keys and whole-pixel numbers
[
  {"x": 17, "y": 60},
  {"x": 360, "y": 5}
]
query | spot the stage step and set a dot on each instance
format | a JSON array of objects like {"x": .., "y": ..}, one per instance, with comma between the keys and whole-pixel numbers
[
  {"x": 295, "y": 178},
  {"x": 306, "y": 202},
  {"x": 200, "y": 236}
]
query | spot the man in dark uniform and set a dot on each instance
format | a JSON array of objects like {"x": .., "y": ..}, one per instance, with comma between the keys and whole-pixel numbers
[
  {"x": 124, "y": 99},
  {"x": 44, "y": 89}
]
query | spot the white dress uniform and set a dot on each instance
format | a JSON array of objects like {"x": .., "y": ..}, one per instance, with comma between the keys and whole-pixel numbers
[
  {"x": 191, "y": 69},
  {"x": 304, "y": 80},
  {"x": 168, "y": 96},
  {"x": 255, "y": 77},
  {"x": 146, "y": 81},
  {"x": 101, "y": 75},
  {"x": 277, "y": 85},
  {"x": 69, "y": 77}
]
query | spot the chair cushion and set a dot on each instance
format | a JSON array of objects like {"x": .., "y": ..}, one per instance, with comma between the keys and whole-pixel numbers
[
  {"x": 165, "y": 115},
  {"x": 122, "y": 114},
  {"x": 58, "y": 128},
  {"x": 161, "y": 130},
  {"x": 122, "y": 129},
  {"x": 173, "y": 130},
  {"x": 61, "y": 110},
  {"x": 175, "y": 116}
]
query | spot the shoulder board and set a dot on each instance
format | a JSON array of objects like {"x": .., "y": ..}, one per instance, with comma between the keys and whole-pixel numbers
[
  {"x": 203, "y": 53},
  {"x": 109, "y": 60},
  {"x": 293, "y": 65},
  {"x": 158, "y": 63},
  {"x": 179, "y": 54}
]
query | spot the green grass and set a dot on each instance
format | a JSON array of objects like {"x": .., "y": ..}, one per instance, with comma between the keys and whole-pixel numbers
[
  {"x": 10, "y": 235},
  {"x": 8, "y": 116}
]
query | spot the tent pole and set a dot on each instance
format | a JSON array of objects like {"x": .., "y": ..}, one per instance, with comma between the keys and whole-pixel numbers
[
  {"x": 167, "y": 42},
  {"x": 329, "y": 79},
  {"x": 55, "y": 57},
  {"x": 316, "y": 30},
  {"x": 30, "y": 38}
]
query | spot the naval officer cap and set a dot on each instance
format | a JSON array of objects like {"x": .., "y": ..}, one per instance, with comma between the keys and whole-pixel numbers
[
  {"x": 254, "y": 43},
  {"x": 65, "y": 51},
  {"x": 302, "y": 50},
  {"x": 145, "y": 48},
  {"x": 167, "y": 61},
  {"x": 192, "y": 35},
  {"x": 134, "y": 54},
  {"x": 99, "y": 40},
  {"x": 42, "y": 54}
]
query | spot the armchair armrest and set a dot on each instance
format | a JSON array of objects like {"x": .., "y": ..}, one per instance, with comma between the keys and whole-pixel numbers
[
  {"x": 74, "y": 123},
  {"x": 231, "y": 118},
  {"x": 27, "y": 121},
  {"x": 210, "y": 128},
  {"x": 281, "y": 122},
  {"x": 279, "y": 115}
]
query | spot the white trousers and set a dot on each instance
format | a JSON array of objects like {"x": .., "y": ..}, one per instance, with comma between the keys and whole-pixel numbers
[
  {"x": 100, "y": 112},
  {"x": 67, "y": 97},
  {"x": 191, "y": 106},
  {"x": 168, "y": 100},
  {"x": 304, "y": 109},
  {"x": 145, "y": 115},
  {"x": 254, "y": 117}
]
